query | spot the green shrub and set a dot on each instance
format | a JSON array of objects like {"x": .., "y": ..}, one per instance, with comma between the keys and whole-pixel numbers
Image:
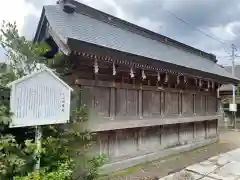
[{"x": 64, "y": 147}]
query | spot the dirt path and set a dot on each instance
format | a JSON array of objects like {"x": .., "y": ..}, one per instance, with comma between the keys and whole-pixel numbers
[{"x": 228, "y": 140}]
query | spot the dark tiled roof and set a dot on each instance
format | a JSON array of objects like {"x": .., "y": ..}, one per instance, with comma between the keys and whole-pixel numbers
[{"x": 87, "y": 29}]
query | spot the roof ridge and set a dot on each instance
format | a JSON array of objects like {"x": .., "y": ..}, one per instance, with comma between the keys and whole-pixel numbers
[{"x": 118, "y": 22}]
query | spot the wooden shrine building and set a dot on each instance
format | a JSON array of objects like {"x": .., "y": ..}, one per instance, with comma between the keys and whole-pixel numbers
[{"x": 148, "y": 95}]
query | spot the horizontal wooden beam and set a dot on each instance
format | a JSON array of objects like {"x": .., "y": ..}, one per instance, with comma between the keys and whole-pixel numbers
[
  {"x": 98, "y": 83},
  {"x": 114, "y": 125}
]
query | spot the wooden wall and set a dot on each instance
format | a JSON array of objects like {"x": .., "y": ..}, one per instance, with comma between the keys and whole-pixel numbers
[
  {"x": 123, "y": 110},
  {"x": 129, "y": 104},
  {"x": 128, "y": 143}
]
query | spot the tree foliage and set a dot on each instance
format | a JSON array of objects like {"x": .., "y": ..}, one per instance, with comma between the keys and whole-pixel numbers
[{"x": 64, "y": 147}]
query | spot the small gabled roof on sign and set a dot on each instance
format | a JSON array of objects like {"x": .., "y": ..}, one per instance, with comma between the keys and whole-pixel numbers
[{"x": 36, "y": 73}]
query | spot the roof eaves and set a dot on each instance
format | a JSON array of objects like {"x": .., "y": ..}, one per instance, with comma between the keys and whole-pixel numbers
[
  {"x": 78, "y": 45},
  {"x": 39, "y": 27}
]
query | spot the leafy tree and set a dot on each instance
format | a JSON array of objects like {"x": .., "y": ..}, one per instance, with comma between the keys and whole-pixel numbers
[{"x": 64, "y": 147}]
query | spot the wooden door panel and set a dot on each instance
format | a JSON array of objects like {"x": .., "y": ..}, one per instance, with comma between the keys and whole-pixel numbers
[
  {"x": 200, "y": 108},
  {"x": 212, "y": 104},
  {"x": 156, "y": 103},
  {"x": 132, "y": 102},
  {"x": 121, "y": 102},
  {"x": 127, "y": 141},
  {"x": 87, "y": 97},
  {"x": 151, "y": 103},
  {"x": 102, "y": 101},
  {"x": 171, "y": 103},
  {"x": 187, "y": 104},
  {"x": 146, "y": 103}
]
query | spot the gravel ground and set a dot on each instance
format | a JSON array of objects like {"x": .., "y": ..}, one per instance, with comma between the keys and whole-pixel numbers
[{"x": 152, "y": 171}]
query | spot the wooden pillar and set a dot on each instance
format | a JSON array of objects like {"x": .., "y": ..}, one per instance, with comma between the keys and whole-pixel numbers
[
  {"x": 140, "y": 102},
  {"x": 217, "y": 132},
  {"x": 206, "y": 104},
  {"x": 113, "y": 144},
  {"x": 194, "y": 131},
  {"x": 206, "y": 129},
  {"x": 180, "y": 103},
  {"x": 179, "y": 133},
  {"x": 162, "y": 103},
  {"x": 113, "y": 103},
  {"x": 194, "y": 104},
  {"x": 160, "y": 135},
  {"x": 139, "y": 138}
]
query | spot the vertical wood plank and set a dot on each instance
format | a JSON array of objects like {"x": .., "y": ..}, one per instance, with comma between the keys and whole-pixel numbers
[
  {"x": 194, "y": 131},
  {"x": 102, "y": 101},
  {"x": 180, "y": 103},
  {"x": 113, "y": 103},
  {"x": 187, "y": 104},
  {"x": 206, "y": 129},
  {"x": 194, "y": 104},
  {"x": 206, "y": 104},
  {"x": 156, "y": 103},
  {"x": 150, "y": 138},
  {"x": 140, "y": 102},
  {"x": 132, "y": 103},
  {"x": 127, "y": 141},
  {"x": 139, "y": 138},
  {"x": 103, "y": 139},
  {"x": 121, "y": 103},
  {"x": 178, "y": 133},
  {"x": 200, "y": 106},
  {"x": 200, "y": 131},
  {"x": 112, "y": 144},
  {"x": 171, "y": 103},
  {"x": 147, "y": 103},
  {"x": 162, "y": 103},
  {"x": 160, "y": 135}
]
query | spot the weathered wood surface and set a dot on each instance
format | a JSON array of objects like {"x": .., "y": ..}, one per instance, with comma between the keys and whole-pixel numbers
[
  {"x": 170, "y": 137},
  {"x": 106, "y": 125},
  {"x": 211, "y": 128},
  {"x": 148, "y": 106},
  {"x": 133, "y": 102},
  {"x": 200, "y": 131},
  {"x": 151, "y": 103},
  {"x": 128, "y": 143},
  {"x": 187, "y": 104},
  {"x": 171, "y": 104},
  {"x": 133, "y": 119},
  {"x": 186, "y": 133}
]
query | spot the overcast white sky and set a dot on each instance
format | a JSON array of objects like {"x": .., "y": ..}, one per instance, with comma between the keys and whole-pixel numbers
[{"x": 219, "y": 18}]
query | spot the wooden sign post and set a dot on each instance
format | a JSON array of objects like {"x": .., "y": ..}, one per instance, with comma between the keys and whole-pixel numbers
[{"x": 40, "y": 98}]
